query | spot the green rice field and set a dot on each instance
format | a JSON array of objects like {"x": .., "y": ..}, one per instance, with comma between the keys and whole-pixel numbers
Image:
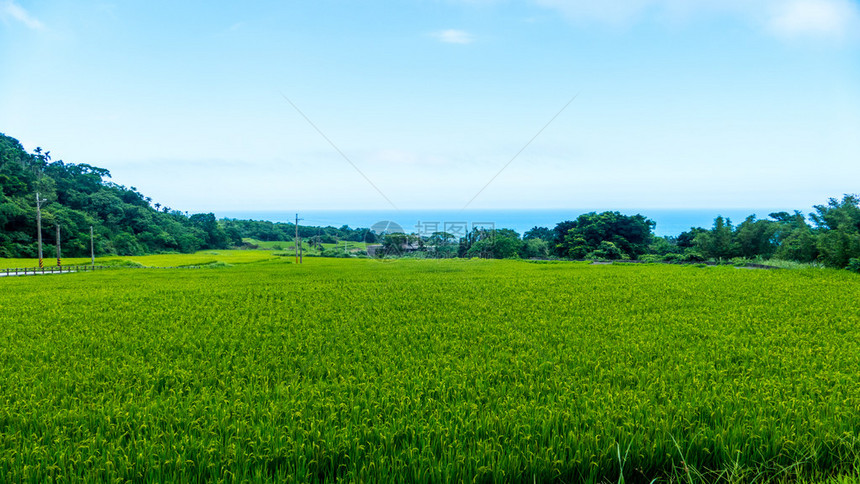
[
  {"x": 282, "y": 245},
  {"x": 359, "y": 370},
  {"x": 203, "y": 257}
]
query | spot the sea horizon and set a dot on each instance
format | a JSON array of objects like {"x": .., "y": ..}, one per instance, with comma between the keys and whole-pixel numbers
[{"x": 669, "y": 222}]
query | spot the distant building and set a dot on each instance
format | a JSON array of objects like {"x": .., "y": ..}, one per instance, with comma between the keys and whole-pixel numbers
[{"x": 377, "y": 250}]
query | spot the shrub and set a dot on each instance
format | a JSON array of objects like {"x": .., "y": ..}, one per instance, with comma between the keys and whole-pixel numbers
[
  {"x": 692, "y": 255},
  {"x": 332, "y": 252},
  {"x": 606, "y": 251}
]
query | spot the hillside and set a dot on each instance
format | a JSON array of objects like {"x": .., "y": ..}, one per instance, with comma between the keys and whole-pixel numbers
[{"x": 125, "y": 222}]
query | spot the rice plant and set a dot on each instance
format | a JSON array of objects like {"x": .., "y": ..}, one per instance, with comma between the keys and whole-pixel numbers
[{"x": 430, "y": 371}]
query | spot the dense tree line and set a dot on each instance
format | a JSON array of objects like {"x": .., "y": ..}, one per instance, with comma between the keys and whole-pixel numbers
[
  {"x": 78, "y": 196},
  {"x": 832, "y": 239},
  {"x": 608, "y": 235},
  {"x": 278, "y": 231},
  {"x": 128, "y": 223}
]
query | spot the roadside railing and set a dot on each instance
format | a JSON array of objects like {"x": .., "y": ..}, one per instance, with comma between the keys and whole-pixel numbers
[
  {"x": 18, "y": 271},
  {"x": 23, "y": 271}
]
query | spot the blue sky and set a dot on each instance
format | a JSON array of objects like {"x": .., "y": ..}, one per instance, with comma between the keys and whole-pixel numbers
[{"x": 679, "y": 104}]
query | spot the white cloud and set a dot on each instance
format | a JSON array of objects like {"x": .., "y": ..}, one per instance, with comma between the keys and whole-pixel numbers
[
  {"x": 785, "y": 18},
  {"x": 11, "y": 9},
  {"x": 452, "y": 36},
  {"x": 829, "y": 18}
]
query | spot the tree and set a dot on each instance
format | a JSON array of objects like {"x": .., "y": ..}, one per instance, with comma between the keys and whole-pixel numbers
[
  {"x": 215, "y": 237},
  {"x": 315, "y": 241},
  {"x": 394, "y": 243},
  {"x": 757, "y": 238},
  {"x": 534, "y": 248},
  {"x": 81, "y": 196},
  {"x": 795, "y": 238},
  {"x": 127, "y": 244},
  {"x": 799, "y": 245},
  {"x": 663, "y": 246},
  {"x": 686, "y": 240},
  {"x": 836, "y": 215},
  {"x": 542, "y": 233},
  {"x": 493, "y": 244},
  {"x": 234, "y": 237},
  {"x": 443, "y": 243},
  {"x": 559, "y": 233},
  {"x": 631, "y": 235},
  {"x": 606, "y": 250},
  {"x": 838, "y": 224},
  {"x": 718, "y": 243}
]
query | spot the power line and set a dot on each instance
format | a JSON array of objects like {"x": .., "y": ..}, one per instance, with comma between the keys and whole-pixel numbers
[
  {"x": 341, "y": 153},
  {"x": 518, "y": 153}
]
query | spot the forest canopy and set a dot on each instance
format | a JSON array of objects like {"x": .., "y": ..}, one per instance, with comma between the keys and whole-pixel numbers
[{"x": 80, "y": 196}]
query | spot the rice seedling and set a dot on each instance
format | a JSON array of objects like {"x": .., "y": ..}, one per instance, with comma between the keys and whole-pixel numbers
[{"x": 431, "y": 371}]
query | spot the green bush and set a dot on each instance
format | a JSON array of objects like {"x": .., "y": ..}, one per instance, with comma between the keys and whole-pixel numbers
[
  {"x": 854, "y": 265},
  {"x": 692, "y": 255},
  {"x": 333, "y": 252},
  {"x": 607, "y": 251},
  {"x": 120, "y": 263}
]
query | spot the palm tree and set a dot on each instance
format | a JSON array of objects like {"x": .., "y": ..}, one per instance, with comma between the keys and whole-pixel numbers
[{"x": 43, "y": 158}]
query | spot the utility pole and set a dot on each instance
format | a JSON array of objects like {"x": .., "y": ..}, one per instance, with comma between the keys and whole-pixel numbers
[
  {"x": 298, "y": 243},
  {"x": 59, "y": 263},
  {"x": 92, "y": 248},
  {"x": 39, "y": 203}
]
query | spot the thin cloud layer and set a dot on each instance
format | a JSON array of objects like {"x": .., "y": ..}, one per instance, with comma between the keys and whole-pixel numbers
[
  {"x": 10, "y": 9},
  {"x": 453, "y": 36},
  {"x": 831, "y": 18},
  {"x": 785, "y": 18}
]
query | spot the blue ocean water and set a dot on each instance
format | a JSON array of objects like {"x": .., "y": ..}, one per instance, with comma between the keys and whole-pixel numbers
[{"x": 669, "y": 221}]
